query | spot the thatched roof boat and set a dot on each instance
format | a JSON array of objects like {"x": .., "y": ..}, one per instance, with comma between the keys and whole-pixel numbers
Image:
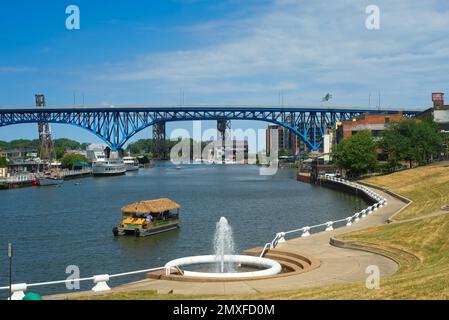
[{"x": 151, "y": 206}]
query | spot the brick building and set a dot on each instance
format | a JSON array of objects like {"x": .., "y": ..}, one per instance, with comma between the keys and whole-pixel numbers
[
  {"x": 374, "y": 123},
  {"x": 287, "y": 140}
]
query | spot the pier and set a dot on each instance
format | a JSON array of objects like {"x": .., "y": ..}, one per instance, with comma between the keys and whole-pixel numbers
[{"x": 28, "y": 179}]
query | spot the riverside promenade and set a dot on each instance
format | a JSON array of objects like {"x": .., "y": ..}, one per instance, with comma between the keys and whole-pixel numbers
[{"x": 337, "y": 265}]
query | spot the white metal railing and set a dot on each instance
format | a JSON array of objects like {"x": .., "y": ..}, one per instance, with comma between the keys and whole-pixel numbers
[
  {"x": 69, "y": 173},
  {"x": 378, "y": 200},
  {"x": 100, "y": 283},
  {"x": 27, "y": 177}
]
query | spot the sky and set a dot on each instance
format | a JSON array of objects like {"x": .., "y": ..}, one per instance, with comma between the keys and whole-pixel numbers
[{"x": 220, "y": 52}]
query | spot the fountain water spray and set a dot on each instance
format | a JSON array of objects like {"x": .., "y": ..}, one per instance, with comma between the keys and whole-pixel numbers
[
  {"x": 224, "y": 259},
  {"x": 224, "y": 245}
]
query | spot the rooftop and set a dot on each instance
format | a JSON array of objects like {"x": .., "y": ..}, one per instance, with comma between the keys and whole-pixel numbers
[{"x": 151, "y": 206}]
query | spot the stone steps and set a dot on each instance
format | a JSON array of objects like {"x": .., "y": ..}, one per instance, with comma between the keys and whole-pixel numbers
[{"x": 292, "y": 263}]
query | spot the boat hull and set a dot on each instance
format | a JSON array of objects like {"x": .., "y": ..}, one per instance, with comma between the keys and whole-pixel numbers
[
  {"x": 131, "y": 167},
  {"x": 144, "y": 232},
  {"x": 109, "y": 174},
  {"x": 46, "y": 182},
  {"x": 105, "y": 170}
]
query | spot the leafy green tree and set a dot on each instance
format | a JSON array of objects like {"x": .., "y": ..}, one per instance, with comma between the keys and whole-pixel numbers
[
  {"x": 67, "y": 144},
  {"x": 285, "y": 153},
  {"x": 3, "y": 162},
  {"x": 357, "y": 154},
  {"x": 59, "y": 152},
  {"x": 68, "y": 160},
  {"x": 411, "y": 140}
]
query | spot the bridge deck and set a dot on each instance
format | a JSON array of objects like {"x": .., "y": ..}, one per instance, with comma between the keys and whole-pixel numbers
[{"x": 212, "y": 107}]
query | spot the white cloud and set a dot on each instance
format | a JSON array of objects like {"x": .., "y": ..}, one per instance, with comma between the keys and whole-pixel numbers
[{"x": 309, "y": 48}]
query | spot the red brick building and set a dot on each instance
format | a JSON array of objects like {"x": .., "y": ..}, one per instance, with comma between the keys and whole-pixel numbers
[{"x": 375, "y": 123}]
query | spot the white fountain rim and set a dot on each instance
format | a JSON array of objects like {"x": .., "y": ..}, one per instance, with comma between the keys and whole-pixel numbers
[{"x": 272, "y": 267}]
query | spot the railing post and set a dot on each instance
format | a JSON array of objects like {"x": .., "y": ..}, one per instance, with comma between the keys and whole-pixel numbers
[
  {"x": 305, "y": 232},
  {"x": 330, "y": 226},
  {"x": 280, "y": 237},
  {"x": 101, "y": 283},
  {"x": 357, "y": 217},
  {"x": 349, "y": 222},
  {"x": 364, "y": 214},
  {"x": 18, "y": 291}
]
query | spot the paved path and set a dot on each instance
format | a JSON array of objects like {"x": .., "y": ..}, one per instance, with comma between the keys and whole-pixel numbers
[{"x": 338, "y": 266}]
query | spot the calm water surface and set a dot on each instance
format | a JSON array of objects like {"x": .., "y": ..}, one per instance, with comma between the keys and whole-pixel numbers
[{"x": 52, "y": 228}]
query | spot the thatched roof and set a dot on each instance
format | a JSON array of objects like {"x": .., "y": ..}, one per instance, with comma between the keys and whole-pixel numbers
[{"x": 151, "y": 206}]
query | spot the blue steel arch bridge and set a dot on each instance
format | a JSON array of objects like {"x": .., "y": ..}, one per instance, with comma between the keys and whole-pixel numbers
[{"x": 116, "y": 125}]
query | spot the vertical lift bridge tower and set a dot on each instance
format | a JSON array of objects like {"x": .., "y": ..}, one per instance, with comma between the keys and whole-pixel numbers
[{"x": 45, "y": 139}]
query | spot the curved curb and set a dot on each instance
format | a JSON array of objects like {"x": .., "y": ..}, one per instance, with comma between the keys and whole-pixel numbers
[
  {"x": 407, "y": 201},
  {"x": 374, "y": 248}
]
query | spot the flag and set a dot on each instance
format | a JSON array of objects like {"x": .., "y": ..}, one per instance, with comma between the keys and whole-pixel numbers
[{"x": 327, "y": 97}]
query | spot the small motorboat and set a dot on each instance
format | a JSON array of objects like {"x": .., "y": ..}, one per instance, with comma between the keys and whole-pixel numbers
[{"x": 49, "y": 179}]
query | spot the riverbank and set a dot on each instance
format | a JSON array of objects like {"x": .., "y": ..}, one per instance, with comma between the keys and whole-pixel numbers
[{"x": 417, "y": 240}]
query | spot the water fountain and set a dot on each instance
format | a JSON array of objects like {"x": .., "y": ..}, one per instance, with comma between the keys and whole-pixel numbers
[
  {"x": 223, "y": 245},
  {"x": 224, "y": 260}
]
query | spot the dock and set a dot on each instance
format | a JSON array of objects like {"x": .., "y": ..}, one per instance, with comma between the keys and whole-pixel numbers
[{"x": 28, "y": 179}]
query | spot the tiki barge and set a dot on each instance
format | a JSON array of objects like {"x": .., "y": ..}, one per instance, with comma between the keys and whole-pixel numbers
[{"x": 150, "y": 217}]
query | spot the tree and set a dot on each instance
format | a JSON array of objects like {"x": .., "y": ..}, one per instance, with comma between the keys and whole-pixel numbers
[
  {"x": 285, "y": 153},
  {"x": 68, "y": 160},
  {"x": 3, "y": 162},
  {"x": 357, "y": 154},
  {"x": 411, "y": 140},
  {"x": 59, "y": 152}
]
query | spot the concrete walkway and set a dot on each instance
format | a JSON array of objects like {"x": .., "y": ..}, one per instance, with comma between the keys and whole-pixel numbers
[{"x": 338, "y": 266}]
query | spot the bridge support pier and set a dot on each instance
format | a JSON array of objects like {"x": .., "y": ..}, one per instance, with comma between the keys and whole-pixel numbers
[
  {"x": 159, "y": 141},
  {"x": 223, "y": 134}
]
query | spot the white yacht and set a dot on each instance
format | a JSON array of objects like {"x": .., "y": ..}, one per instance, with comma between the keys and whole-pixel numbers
[
  {"x": 131, "y": 163},
  {"x": 108, "y": 167},
  {"x": 101, "y": 165}
]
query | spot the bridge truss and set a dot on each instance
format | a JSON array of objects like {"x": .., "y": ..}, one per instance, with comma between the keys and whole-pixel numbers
[{"x": 116, "y": 125}]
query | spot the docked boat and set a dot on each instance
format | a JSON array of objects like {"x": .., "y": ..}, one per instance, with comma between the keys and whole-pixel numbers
[
  {"x": 49, "y": 179},
  {"x": 108, "y": 167},
  {"x": 131, "y": 163},
  {"x": 147, "y": 218}
]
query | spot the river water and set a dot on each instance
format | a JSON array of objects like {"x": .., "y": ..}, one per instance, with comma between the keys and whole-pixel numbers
[{"x": 52, "y": 228}]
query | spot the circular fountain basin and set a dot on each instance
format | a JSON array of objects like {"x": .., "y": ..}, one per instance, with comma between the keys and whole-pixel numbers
[{"x": 270, "y": 267}]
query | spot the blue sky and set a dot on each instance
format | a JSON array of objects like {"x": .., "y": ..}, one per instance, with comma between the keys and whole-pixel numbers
[{"x": 220, "y": 52}]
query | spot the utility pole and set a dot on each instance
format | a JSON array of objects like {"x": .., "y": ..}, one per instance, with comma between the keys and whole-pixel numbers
[
  {"x": 379, "y": 99},
  {"x": 10, "y": 253}
]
